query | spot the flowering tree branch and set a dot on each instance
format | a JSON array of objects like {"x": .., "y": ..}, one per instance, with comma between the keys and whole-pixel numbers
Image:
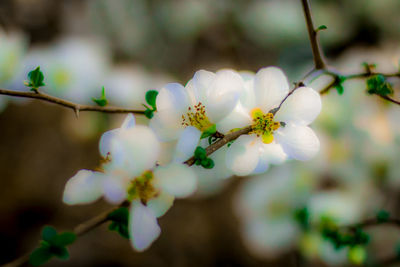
[
  {"x": 74, "y": 106},
  {"x": 319, "y": 62}
]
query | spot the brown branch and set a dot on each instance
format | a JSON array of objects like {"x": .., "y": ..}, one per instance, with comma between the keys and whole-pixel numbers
[
  {"x": 319, "y": 62},
  {"x": 74, "y": 106},
  {"x": 362, "y": 75},
  {"x": 79, "y": 230},
  {"x": 221, "y": 142}
]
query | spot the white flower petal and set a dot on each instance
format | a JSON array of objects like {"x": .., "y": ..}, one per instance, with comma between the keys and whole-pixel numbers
[
  {"x": 164, "y": 130},
  {"x": 298, "y": 142},
  {"x": 187, "y": 143},
  {"x": 238, "y": 118},
  {"x": 273, "y": 153},
  {"x": 114, "y": 190},
  {"x": 243, "y": 155},
  {"x": 172, "y": 102},
  {"x": 172, "y": 97},
  {"x": 200, "y": 84},
  {"x": 269, "y": 154},
  {"x": 105, "y": 142},
  {"x": 129, "y": 122},
  {"x": 161, "y": 204},
  {"x": 302, "y": 107},
  {"x": 85, "y": 187},
  {"x": 143, "y": 226},
  {"x": 223, "y": 94},
  {"x": 176, "y": 179},
  {"x": 270, "y": 86},
  {"x": 135, "y": 149}
]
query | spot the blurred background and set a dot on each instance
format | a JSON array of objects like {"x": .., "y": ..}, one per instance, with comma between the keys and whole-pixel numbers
[{"x": 131, "y": 46}]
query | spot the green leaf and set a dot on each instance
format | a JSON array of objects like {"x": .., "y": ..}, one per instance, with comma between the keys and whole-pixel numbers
[
  {"x": 302, "y": 216},
  {"x": 339, "y": 88},
  {"x": 40, "y": 256},
  {"x": 339, "y": 84},
  {"x": 121, "y": 229},
  {"x": 119, "y": 221},
  {"x": 60, "y": 252},
  {"x": 207, "y": 163},
  {"x": 48, "y": 233},
  {"x": 378, "y": 85},
  {"x": 149, "y": 113},
  {"x": 120, "y": 215},
  {"x": 35, "y": 79},
  {"x": 382, "y": 216},
  {"x": 63, "y": 239},
  {"x": 200, "y": 153},
  {"x": 102, "y": 101},
  {"x": 210, "y": 131},
  {"x": 151, "y": 98},
  {"x": 322, "y": 27}
]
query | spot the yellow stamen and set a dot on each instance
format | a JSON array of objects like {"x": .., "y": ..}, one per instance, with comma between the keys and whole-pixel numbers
[
  {"x": 142, "y": 188},
  {"x": 264, "y": 125},
  {"x": 197, "y": 117}
]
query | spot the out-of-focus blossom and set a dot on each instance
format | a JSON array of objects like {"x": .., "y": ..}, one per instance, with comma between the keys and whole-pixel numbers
[
  {"x": 266, "y": 205},
  {"x": 12, "y": 50},
  {"x": 127, "y": 85},
  {"x": 130, "y": 173}
]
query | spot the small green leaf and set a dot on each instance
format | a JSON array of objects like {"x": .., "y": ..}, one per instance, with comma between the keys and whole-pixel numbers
[
  {"x": 382, "y": 216},
  {"x": 35, "y": 79},
  {"x": 119, "y": 215},
  {"x": 378, "y": 85},
  {"x": 151, "y": 98},
  {"x": 200, "y": 153},
  {"x": 40, "y": 256},
  {"x": 339, "y": 84},
  {"x": 60, "y": 252},
  {"x": 149, "y": 113},
  {"x": 322, "y": 27},
  {"x": 119, "y": 221},
  {"x": 302, "y": 216},
  {"x": 210, "y": 131},
  {"x": 48, "y": 233},
  {"x": 339, "y": 88},
  {"x": 207, "y": 163},
  {"x": 102, "y": 101},
  {"x": 63, "y": 239}
]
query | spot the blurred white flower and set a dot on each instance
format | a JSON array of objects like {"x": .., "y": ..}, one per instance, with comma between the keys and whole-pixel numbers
[
  {"x": 274, "y": 135},
  {"x": 203, "y": 103},
  {"x": 127, "y": 85},
  {"x": 266, "y": 205},
  {"x": 12, "y": 50},
  {"x": 130, "y": 173}
]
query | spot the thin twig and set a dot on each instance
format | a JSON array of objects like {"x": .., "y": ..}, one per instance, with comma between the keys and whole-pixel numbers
[
  {"x": 313, "y": 36},
  {"x": 362, "y": 75},
  {"x": 79, "y": 230},
  {"x": 74, "y": 106}
]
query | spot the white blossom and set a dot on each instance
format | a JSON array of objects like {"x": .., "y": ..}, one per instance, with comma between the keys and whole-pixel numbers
[
  {"x": 130, "y": 173},
  {"x": 275, "y": 136},
  {"x": 203, "y": 103}
]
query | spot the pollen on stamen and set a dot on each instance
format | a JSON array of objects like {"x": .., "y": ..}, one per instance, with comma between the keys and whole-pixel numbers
[
  {"x": 196, "y": 117},
  {"x": 264, "y": 125}
]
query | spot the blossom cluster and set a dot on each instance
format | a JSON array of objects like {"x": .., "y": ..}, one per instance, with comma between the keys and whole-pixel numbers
[{"x": 145, "y": 165}]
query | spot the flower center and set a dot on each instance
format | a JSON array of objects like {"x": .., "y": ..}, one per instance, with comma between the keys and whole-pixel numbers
[
  {"x": 142, "y": 188},
  {"x": 197, "y": 117},
  {"x": 264, "y": 125}
]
